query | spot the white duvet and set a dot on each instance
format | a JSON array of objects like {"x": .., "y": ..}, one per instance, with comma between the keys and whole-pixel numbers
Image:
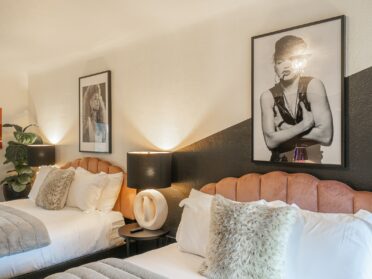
[
  {"x": 73, "y": 233},
  {"x": 170, "y": 262}
]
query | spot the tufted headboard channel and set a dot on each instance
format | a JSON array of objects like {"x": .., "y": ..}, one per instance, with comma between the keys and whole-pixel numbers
[
  {"x": 124, "y": 203},
  {"x": 305, "y": 190}
]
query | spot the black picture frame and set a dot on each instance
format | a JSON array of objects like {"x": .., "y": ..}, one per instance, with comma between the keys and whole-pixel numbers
[
  {"x": 340, "y": 74},
  {"x": 95, "y": 128}
]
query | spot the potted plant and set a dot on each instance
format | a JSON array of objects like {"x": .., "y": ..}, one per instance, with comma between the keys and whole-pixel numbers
[{"x": 18, "y": 184}]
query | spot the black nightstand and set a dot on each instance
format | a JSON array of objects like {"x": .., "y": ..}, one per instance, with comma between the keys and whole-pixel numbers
[{"x": 143, "y": 235}]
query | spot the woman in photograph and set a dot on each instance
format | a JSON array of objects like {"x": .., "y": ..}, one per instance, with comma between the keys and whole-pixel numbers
[
  {"x": 296, "y": 116},
  {"x": 95, "y": 122}
]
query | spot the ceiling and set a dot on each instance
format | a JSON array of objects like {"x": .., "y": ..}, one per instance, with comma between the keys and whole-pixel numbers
[{"x": 35, "y": 34}]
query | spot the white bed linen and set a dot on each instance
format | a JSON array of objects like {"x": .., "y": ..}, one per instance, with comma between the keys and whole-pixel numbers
[
  {"x": 170, "y": 262},
  {"x": 73, "y": 233}
]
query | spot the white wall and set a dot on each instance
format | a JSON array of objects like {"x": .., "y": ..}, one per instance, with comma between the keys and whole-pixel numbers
[
  {"x": 14, "y": 102},
  {"x": 171, "y": 90}
]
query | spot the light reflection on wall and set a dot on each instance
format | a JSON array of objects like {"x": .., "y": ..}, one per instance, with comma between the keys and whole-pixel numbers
[
  {"x": 54, "y": 127},
  {"x": 54, "y": 137},
  {"x": 171, "y": 124}
]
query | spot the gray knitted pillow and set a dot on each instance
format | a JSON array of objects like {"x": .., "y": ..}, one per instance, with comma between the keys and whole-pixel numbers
[
  {"x": 54, "y": 189},
  {"x": 247, "y": 240}
]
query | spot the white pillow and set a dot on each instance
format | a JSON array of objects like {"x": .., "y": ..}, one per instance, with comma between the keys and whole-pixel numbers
[
  {"x": 335, "y": 246},
  {"x": 364, "y": 215},
  {"x": 110, "y": 192},
  {"x": 193, "y": 231},
  {"x": 40, "y": 176},
  {"x": 86, "y": 189}
]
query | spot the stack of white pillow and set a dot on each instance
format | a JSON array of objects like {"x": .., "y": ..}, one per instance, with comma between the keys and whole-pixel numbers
[
  {"x": 88, "y": 191},
  {"x": 322, "y": 245}
]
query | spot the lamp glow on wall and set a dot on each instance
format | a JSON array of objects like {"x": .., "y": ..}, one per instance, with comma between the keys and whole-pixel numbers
[{"x": 148, "y": 171}]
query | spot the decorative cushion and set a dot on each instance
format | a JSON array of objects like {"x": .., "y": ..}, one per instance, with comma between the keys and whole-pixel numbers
[
  {"x": 86, "y": 189},
  {"x": 247, "y": 240},
  {"x": 40, "y": 177},
  {"x": 54, "y": 189}
]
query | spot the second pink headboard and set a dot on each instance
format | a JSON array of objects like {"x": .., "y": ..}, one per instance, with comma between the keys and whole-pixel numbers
[{"x": 305, "y": 190}]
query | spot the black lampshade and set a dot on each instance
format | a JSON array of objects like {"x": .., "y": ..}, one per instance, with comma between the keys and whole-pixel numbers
[
  {"x": 41, "y": 154},
  {"x": 149, "y": 170}
]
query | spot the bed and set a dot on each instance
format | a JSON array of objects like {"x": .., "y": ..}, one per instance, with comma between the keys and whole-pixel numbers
[
  {"x": 306, "y": 191},
  {"x": 73, "y": 233},
  {"x": 170, "y": 262}
]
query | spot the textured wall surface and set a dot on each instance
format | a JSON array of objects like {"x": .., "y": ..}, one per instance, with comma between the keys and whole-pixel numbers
[{"x": 228, "y": 153}]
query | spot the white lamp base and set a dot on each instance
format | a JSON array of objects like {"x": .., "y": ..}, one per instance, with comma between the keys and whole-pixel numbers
[{"x": 150, "y": 209}]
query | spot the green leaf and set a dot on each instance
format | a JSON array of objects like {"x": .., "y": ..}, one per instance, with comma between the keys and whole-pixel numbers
[
  {"x": 26, "y": 138},
  {"x": 24, "y": 179},
  {"x": 9, "y": 179},
  {"x": 24, "y": 170},
  {"x": 17, "y": 187},
  {"x": 16, "y": 127},
  {"x": 31, "y": 138},
  {"x": 17, "y": 182},
  {"x": 4, "y": 180},
  {"x": 28, "y": 126},
  {"x": 38, "y": 140},
  {"x": 16, "y": 153}
]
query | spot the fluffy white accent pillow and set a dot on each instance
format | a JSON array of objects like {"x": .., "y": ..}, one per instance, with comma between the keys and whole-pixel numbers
[
  {"x": 247, "y": 240},
  {"x": 110, "y": 192},
  {"x": 193, "y": 231},
  {"x": 335, "y": 246},
  {"x": 86, "y": 189},
  {"x": 40, "y": 177}
]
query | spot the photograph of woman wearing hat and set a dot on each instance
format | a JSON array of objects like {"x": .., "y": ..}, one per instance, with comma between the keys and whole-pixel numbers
[{"x": 295, "y": 112}]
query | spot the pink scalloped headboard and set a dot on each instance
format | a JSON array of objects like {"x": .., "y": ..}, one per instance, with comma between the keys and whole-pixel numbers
[{"x": 305, "y": 190}]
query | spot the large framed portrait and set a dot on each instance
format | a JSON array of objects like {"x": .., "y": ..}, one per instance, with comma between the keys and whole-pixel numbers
[
  {"x": 95, "y": 113},
  {"x": 298, "y": 95}
]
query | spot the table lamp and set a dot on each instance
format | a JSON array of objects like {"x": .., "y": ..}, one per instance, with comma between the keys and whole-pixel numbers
[
  {"x": 40, "y": 155},
  {"x": 148, "y": 171}
]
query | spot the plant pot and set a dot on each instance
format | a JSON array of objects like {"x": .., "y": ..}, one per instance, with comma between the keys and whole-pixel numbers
[{"x": 10, "y": 194}]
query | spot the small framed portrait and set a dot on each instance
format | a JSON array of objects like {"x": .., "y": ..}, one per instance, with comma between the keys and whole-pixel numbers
[
  {"x": 298, "y": 95},
  {"x": 95, "y": 113}
]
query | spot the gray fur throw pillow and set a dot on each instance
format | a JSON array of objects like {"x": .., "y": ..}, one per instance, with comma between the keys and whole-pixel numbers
[
  {"x": 247, "y": 240},
  {"x": 54, "y": 189}
]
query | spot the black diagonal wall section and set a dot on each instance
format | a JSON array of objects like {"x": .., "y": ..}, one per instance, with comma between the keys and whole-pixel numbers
[{"x": 228, "y": 153}]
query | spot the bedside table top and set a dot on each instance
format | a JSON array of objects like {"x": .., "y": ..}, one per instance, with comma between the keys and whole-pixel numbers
[{"x": 124, "y": 231}]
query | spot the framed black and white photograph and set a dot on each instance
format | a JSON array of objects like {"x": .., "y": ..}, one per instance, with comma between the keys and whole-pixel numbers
[
  {"x": 298, "y": 95},
  {"x": 95, "y": 113}
]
